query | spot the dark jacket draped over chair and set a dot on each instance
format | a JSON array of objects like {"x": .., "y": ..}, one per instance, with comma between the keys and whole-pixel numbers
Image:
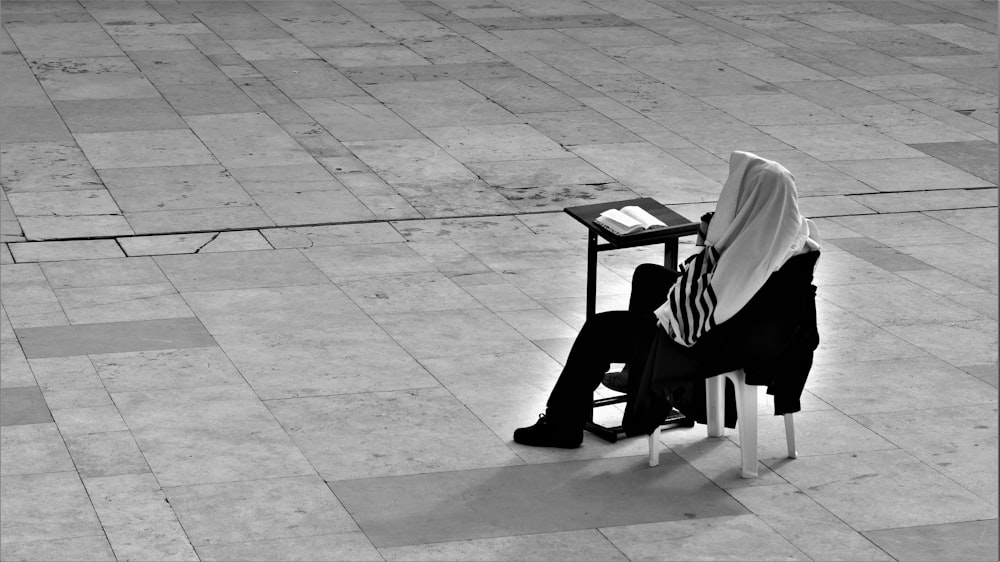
[{"x": 772, "y": 338}]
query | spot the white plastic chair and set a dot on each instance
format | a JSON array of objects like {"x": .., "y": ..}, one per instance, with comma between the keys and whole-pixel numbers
[{"x": 746, "y": 412}]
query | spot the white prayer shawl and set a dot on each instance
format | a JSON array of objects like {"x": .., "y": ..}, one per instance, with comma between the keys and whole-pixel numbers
[{"x": 756, "y": 228}]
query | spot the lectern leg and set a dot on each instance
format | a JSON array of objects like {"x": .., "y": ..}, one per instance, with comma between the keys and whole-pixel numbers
[
  {"x": 591, "y": 275},
  {"x": 670, "y": 250}
]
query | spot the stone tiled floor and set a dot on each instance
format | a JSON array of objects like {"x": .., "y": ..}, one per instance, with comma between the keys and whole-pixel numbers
[{"x": 280, "y": 278}]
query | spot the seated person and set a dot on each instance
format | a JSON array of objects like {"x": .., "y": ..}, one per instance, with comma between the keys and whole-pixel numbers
[{"x": 745, "y": 301}]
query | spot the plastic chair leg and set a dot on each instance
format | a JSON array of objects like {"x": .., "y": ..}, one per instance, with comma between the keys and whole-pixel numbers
[
  {"x": 715, "y": 393},
  {"x": 654, "y": 447},
  {"x": 790, "y": 436},
  {"x": 746, "y": 405}
]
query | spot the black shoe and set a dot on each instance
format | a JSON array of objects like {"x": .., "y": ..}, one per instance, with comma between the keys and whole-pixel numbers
[
  {"x": 616, "y": 381},
  {"x": 546, "y": 433}
]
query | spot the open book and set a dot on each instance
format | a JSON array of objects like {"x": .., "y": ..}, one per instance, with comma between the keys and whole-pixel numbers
[{"x": 628, "y": 220}]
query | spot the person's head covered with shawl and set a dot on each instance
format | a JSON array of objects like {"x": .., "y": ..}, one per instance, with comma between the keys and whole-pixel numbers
[{"x": 755, "y": 229}]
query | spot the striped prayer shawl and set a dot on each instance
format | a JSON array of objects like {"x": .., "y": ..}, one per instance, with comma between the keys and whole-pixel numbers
[{"x": 691, "y": 300}]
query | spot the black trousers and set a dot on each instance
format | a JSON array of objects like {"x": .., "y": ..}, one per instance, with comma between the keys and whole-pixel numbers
[{"x": 619, "y": 336}]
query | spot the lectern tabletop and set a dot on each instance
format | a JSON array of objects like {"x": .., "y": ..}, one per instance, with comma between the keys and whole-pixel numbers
[{"x": 676, "y": 224}]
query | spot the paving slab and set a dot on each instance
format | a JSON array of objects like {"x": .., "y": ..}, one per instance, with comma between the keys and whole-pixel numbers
[
  {"x": 649, "y": 171},
  {"x": 46, "y": 166},
  {"x": 773, "y": 69},
  {"x": 80, "y": 398},
  {"x": 904, "y": 42},
  {"x": 313, "y": 207},
  {"x": 90, "y": 548},
  {"x": 153, "y": 370},
  {"x": 33, "y": 448},
  {"x": 943, "y": 257},
  {"x": 33, "y": 124},
  {"x": 128, "y": 498},
  {"x": 343, "y": 359},
  {"x": 84, "y": 226},
  {"x": 238, "y": 241},
  {"x": 560, "y": 502},
  {"x": 241, "y": 429},
  {"x": 239, "y": 270},
  {"x": 175, "y": 193},
  {"x": 133, "y": 43},
  {"x": 811, "y": 528},
  {"x": 48, "y": 506},
  {"x": 879, "y": 487},
  {"x": 588, "y": 544},
  {"x": 62, "y": 341},
  {"x": 65, "y": 373},
  {"x": 849, "y": 338},
  {"x": 975, "y": 157},
  {"x": 358, "y": 122},
  {"x": 84, "y": 421},
  {"x": 970, "y": 343},
  {"x": 334, "y": 235},
  {"x": 554, "y": 198},
  {"x": 688, "y": 77},
  {"x": 246, "y": 139},
  {"x": 207, "y": 98},
  {"x": 974, "y": 540},
  {"x": 928, "y": 200},
  {"x": 23, "y": 406},
  {"x": 424, "y": 339},
  {"x": 91, "y": 78},
  {"x": 90, "y": 305},
  {"x": 106, "y": 454},
  {"x": 101, "y": 273},
  {"x": 65, "y": 250},
  {"x": 129, "y": 149},
  {"x": 411, "y": 292},
  {"x": 56, "y": 204},
  {"x": 51, "y": 40},
  {"x": 976, "y": 221},
  {"x": 339, "y": 546},
  {"x": 102, "y": 115},
  {"x": 198, "y": 220},
  {"x": 833, "y": 384},
  {"x": 903, "y": 230},
  {"x": 969, "y": 431},
  {"x": 15, "y": 372},
  {"x": 447, "y": 104},
  {"x": 20, "y": 87},
  {"x": 495, "y": 143},
  {"x": 273, "y": 508},
  {"x": 779, "y": 109},
  {"x": 580, "y": 127},
  {"x": 164, "y": 245},
  {"x": 715, "y": 537},
  {"x": 716, "y": 131},
  {"x": 153, "y": 539}
]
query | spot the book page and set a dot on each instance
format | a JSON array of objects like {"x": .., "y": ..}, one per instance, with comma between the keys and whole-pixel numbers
[
  {"x": 642, "y": 216},
  {"x": 618, "y": 222},
  {"x": 624, "y": 220}
]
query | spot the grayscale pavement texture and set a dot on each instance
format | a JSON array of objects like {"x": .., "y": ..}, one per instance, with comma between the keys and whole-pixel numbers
[{"x": 280, "y": 278}]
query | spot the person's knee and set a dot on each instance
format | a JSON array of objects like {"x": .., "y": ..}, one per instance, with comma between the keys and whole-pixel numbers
[
  {"x": 646, "y": 276},
  {"x": 646, "y": 271},
  {"x": 654, "y": 273},
  {"x": 650, "y": 284},
  {"x": 606, "y": 322}
]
